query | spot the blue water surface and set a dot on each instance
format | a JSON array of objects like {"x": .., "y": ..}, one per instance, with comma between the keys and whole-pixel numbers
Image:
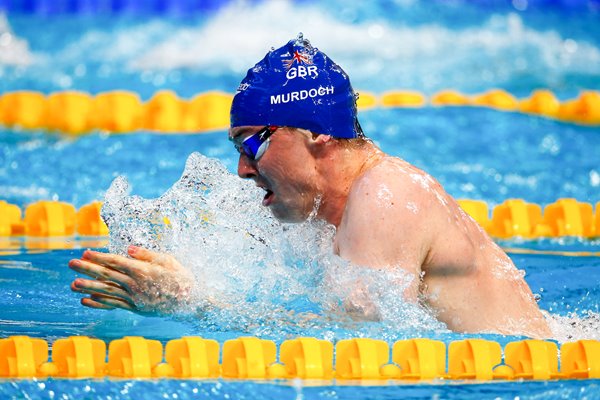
[
  {"x": 267, "y": 390},
  {"x": 475, "y": 153}
]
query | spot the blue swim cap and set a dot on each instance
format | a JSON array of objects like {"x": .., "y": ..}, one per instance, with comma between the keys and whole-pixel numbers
[{"x": 299, "y": 86}]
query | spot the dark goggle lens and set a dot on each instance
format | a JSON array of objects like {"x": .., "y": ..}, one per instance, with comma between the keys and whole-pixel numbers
[{"x": 254, "y": 146}]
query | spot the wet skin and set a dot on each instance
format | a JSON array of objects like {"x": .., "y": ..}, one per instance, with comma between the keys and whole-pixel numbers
[
  {"x": 388, "y": 215},
  {"x": 146, "y": 282},
  {"x": 397, "y": 216}
]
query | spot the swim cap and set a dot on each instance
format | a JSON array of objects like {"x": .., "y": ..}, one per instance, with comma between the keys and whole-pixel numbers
[{"x": 299, "y": 86}]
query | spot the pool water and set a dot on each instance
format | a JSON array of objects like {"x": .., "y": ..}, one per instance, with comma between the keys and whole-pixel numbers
[{"x": 475, "y": 153}]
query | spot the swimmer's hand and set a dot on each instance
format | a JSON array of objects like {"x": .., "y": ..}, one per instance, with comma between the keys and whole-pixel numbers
[{"x": 148, "y": 283}]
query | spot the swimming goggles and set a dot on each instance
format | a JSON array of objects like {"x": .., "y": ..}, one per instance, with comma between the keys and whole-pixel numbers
[{"x": 254, "y": 146}]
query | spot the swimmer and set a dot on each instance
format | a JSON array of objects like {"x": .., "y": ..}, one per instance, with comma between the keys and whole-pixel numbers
[{"x": 294, "y": 123}]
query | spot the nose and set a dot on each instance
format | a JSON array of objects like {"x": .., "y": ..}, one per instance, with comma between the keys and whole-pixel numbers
[{"x": 246, "y": 167}]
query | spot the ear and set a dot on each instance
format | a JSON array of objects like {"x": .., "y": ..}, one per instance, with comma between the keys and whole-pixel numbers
[
  {"x": 319, "y": 144},
  {"x": 322, "y": 139}
]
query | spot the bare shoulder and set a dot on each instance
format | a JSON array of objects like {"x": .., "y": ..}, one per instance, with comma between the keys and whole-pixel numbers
[
  {"x": 386, "y": 212},
  {"x": 395, "y": 184}
]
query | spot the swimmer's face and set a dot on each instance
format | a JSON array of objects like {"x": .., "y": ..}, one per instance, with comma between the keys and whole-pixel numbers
[{"x": 285, "y": 171}]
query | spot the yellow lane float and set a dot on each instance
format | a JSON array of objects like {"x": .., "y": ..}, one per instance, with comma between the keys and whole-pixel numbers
[
  {"x": 541, "y": 102},
  {"x": 135, "y": 357},
  {"x": 25, "y": 109},
  {"x": 69, "y": 112},
  {"x": 122, "y": 111},
  {"x": 511, "y": 218},
  {"x": 450, "y": 98},
  {"x": 207, "y": 112},
  {"x": 403, "y": 99},
  {"x": 498, "y": 99}
]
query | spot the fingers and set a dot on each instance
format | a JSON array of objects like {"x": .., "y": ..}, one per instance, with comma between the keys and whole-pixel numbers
[
  {"x": 113, "y": 302},
  {"x": 88, "y": 302},
  {"x": 94, "y": 287},
  {"x": 106, "y": 303},
  {"x": 100, "y": 272},
  {"x": 116, "y": 262},
  {"x": 142, "y": 254},
  {"x": 103, "y": 295}
]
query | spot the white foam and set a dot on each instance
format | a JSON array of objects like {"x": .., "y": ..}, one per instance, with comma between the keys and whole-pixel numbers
[
  {"x": 253, "y": 273},
  {"x": 116, "y": 45},
  {"x": 259, "y": 276},
  {"x": 400, "y": 53},
  {"x": 573, "y": 327},
  {"x": 31, "y": 192},
  {"x": 14, "y": 51},
  {"x": 498, "y": 49}
]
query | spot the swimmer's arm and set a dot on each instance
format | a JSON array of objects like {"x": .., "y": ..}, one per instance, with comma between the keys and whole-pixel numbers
[
  {"x": 380, "y": 232},
  {"x": 146, "y": 283}
]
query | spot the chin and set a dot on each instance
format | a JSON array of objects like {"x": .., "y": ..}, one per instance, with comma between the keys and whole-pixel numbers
[{"x": 287, "y": 215}]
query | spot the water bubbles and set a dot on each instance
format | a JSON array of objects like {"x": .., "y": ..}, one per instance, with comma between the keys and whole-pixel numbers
[
  {"x": 64, "y": 81},
  {"x": 159, "y": 80},
  {"x": 570, "y": 45},
  {"x": 550, "y": 144},
  {"x": 467, "y": 187},
  {"x": 253, "y": 273},
  {"x": 594, "y": 178},
  {"x": 574, "y": 327},
  {"x": 520, "y": 5},
  {"x": 300, "y": 41}
]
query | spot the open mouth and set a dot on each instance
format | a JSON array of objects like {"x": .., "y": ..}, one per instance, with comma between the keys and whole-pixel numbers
[{"x": 268, "y": 199}]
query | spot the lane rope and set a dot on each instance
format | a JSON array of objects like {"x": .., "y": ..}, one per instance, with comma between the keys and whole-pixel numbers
[
  {"x": 121, "y": 111},
  {"x": 512, "y": 218},
  {"x": 300, "y": 358}
]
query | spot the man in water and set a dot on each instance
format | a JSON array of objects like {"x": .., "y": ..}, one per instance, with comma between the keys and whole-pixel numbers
[{"x": 294, "y": 123}]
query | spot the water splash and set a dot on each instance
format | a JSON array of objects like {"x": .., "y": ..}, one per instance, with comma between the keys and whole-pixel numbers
[
  {"x": 495, "y": 50},
  {"x": 574, "y": 327},
  {"x": 255, "y": 274},
  {"x": 13, "y": 50},
  {"x": 502, "y": 48},
  {"x": 258, "y": 276}
]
